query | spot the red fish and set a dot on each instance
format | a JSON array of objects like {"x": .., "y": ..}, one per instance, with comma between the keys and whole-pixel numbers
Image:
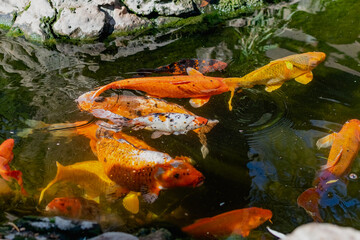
[
  {"x": 240, "y": 222},
  {"x": 179, "y": 68},
  {"x": 73, "y": 207},
  {"x": 195, "y": 86},
  {"x": 344, "y": 150},
  {"x": 6, "y": 156},
  {"x": 145, "y": 171}
]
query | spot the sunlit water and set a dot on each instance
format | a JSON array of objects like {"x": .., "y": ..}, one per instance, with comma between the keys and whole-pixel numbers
[{"x": 262, "y": 153}]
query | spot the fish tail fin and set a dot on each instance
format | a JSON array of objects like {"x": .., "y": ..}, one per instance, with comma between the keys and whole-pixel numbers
[
  {"x": 59, "y": 170},
  {"x": 202, "y": 137},
  {"x": 233, "y": 84},
  {"x": 309, "y": 200},
  {"x": 56, "y": 129},
  {"x": 100, "y": 90}
]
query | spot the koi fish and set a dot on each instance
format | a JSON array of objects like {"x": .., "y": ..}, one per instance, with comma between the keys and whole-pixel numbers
[
  {"x": 136, "y": 106},
  {"x": 6, "y": 156},
  {"x": 145, "y": 171},
  {"x": 179, "y": 68},
  {"x": 73, "y": 207},
  {"x": 345, "y": 147},
  {"x": 90, "y": 176},
  {"x": 240, "y": 222},
  {"x": 274, "y": 74},
  {"x": 195, "y": 86},
  {"x": 161, "y": 123}
]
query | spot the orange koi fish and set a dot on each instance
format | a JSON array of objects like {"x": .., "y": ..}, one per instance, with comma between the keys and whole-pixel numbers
[
  {"x": 145, "y": 171},
  {"x": 6, "y": 156},
  {"x": 240, "y": 222},
  {"x": 179, "y": 68},
  {"x": 161, "y": 123},
  {"x": 345, "y": 147},
  {"x": 136, "y": 106},
  {"x": 73, "y": 207},
  {"x": 195, "y": 86},
  {"x": 274, "y": 74}
]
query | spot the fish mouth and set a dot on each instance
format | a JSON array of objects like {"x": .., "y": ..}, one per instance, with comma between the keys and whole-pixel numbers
[{"x": 200, "y": 182}]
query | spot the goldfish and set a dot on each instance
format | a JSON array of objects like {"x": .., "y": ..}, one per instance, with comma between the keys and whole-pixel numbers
[
  {"x": 240, "y": 222},
  {"x": 73, "y": 207},
  {"x": 136, "y": 106},
  {"x": 345, "y": 146},
  {"x": 6, "y": 156},
  {"x": 145, "y": 171},
  {"x": 179, "y": 67},
  {"x": 161, "y": 123},
  {"x": 194, "y": 85},
  {"x": 274, "y": 74},
  {"x": 90, "y": 176}
]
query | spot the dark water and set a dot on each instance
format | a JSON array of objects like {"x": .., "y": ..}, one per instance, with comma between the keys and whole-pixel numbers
[{"x": 262, "y": 153}]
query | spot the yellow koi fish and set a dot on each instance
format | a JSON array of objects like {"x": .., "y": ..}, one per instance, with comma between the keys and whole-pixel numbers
[{"x": 274, "y": 74}]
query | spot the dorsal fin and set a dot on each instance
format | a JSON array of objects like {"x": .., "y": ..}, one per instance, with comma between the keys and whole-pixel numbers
[{"x": 192, "y": 72}]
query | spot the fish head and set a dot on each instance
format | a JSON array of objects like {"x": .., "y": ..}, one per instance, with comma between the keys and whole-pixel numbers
[
  {"x": 64, "y": 206},
  {"x": 179, "y": 174},
  {"x": 315, "y": 58},
  {"x": 87, "y": 100},
  {"x": 200, "y": 121},
  {"x": 259, "y": 216},
  {"x": 6, "y": 149}
]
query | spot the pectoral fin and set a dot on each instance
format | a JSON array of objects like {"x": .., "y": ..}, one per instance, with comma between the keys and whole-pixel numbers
[
  {"x": 198, "y": 102},
  {"x": 190, "y": 71},
  {"x": 305, "y": 78},
  {"x": 334, "y": 162},
  {"x": 158, "y": 134},
  {"x": 131, "y": 202},
  {"x": 232, "y": 91},
  {"x": 271, "y": 88},
  {"x": 326, "y": 141}
]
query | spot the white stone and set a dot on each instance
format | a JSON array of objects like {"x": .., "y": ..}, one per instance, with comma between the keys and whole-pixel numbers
[
  {"x": 323, "y": 231},
  {"x": 29, "y": 20},
  {"x": 9, "y": 6},
  {"x": 147, "y": 7},
  {"x": 82, "y": 22},
  {"x": 127, "y": 21},
  {"x": 114, "y": 236},
  {"x": 59, "y": 4}
]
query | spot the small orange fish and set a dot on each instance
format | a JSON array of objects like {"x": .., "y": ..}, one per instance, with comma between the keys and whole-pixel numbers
[
  {"x": 145, "y": 171},
  {"x": 195, "y": 86},
  {"x": 73, "y": 207},
  {"x": 274, "y": 74},
  {"x": 240, "y": 222},
  {"x": 6, "y": 156},
  {"x": 344, "y": 150},
  {"x": 179, "y": 67}
]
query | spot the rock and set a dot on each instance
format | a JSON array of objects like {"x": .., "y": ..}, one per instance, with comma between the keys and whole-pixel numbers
[
  {"x": 167, "y": 8},
  {"x": 60, "y": 4},
  {"x": 9, "y": 8},
  {"x": 160, "y": 234},
  {"x": 80, "y": 23},
  {"x": 114, "y": 236},
  {"x": 31, "y": 20},
  {"x": 125, "y": 21},
  {"x": 320, "y": 231},
  {"x": 57, "y": 227}
]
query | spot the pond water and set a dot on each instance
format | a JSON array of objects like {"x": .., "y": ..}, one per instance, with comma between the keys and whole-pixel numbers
[{"x": 262, "y": 153}]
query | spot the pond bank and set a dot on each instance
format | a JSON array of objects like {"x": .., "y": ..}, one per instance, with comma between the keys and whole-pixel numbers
[{"x": 40, "y": 20}]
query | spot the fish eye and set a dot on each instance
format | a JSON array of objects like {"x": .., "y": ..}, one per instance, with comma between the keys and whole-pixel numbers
[{"x": 176, "y": 175}]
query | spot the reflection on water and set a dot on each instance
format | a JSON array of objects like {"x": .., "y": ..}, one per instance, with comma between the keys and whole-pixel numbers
[{"x": 261, "y": 154}]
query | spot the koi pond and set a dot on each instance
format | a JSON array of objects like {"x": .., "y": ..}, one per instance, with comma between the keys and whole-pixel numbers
[{"x": 263, "y": 153}]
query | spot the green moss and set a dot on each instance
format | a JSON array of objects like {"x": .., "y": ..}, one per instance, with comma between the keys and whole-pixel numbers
[
  {"x": 15, "y": 32},
  {"x": 5, "y": 27},
  {"x": 27, "y": 6}
]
